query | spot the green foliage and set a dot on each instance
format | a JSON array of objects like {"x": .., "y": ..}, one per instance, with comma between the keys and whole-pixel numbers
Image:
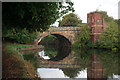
[
  {"x": 81, "y": 24},
  {"x": 21, "y": 45},
  {"x": 21, "y": 36},
  {"x": 50, "y": 39},
  {"x": 70, "y": 20},
  {"x": 50, "y": 42},
  {"x": 50, "y": 51},
  {"x": 109, "y": 37},
  {"x": 106, "y": 17},
  {"x": 11, "y": 50},
  {"x": 107, "y": 58},
  {"x": 118, "y": 22},
  {"x": 82, "y": 57},
  {"x": 84, "y": 38},
  {"x": 71, "y": 72},
  {"x": 32, "y": 15}
]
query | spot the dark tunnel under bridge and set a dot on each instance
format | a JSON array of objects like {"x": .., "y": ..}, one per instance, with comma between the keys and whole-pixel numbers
[{"x": 65, "y": 47}]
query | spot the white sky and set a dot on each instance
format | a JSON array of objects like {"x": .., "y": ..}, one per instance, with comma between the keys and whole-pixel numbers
[{"x": 82, "y": 7}]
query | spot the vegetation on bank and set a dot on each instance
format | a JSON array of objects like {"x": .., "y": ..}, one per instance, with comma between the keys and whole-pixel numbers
[
  {"x": 84, "y": 40},
  {"x": 109, "y": 38},
  {"x": 22, "y": 45},
  {"x": 23, "y": 36},
  {"x": 22, "y": 25},
  {"x": 17, "y": 67}
]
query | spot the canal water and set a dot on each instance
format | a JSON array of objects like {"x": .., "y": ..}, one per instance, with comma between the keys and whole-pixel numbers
[{"x": 58, "y": 62}]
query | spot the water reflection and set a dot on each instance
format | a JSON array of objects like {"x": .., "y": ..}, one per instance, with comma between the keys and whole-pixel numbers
[
  {"x": 51, "y": 73},
  {"x": 43, "y": 55},
  {"x": 94, "y": 64},
  {"x": 57, "y": 47},
  {"x": 60, "y": 73},
  {"x": 95, "y": 71},
  {"x": 74, "y": 72},
  {"x": 55, "y": 53},
  {"x": 100, "y": 64}
]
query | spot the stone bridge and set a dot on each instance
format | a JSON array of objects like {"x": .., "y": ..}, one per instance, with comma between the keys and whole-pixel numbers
[{"x": 65, "y": 34}]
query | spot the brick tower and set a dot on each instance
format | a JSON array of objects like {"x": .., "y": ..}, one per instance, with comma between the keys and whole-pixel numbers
[{"x": 96, "y": 23}]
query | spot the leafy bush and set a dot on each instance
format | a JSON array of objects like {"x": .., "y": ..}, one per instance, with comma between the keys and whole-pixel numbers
[
  {"x": 21, "y": 36},
  {"x": 84, "y": 39},
  {"x": 109, "y": 37}
]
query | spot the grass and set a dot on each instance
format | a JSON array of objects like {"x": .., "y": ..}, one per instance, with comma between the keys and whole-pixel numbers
[
  {"x": 9, "y": 49},
  {"x": 21, "y": 45},
  {"x": 17, "y": 63}
]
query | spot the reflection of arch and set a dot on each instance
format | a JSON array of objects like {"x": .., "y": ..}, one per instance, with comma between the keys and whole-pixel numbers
[{"x": 61, "y": 37}]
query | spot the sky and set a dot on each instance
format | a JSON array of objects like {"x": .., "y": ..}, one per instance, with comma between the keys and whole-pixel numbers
[{"x": 83, "y": 7}]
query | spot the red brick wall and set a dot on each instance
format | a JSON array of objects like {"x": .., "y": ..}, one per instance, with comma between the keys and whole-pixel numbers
[{"x": 96, "y": 23}]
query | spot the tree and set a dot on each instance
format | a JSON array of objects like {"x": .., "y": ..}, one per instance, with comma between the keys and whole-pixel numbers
[
  {"x": 21, "y": 36},
  {"x": 109, "y": 37},
  {"x": 70, "y": 20},
  {"x": 84, "y": 39},
  {"x": 106, "y": 17},
  {"x": 30, "y": 16},
  {"x": 34, "y": 16}
]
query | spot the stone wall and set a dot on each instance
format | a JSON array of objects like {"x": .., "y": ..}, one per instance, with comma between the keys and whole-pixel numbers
[{"x": 70, "y": 33}]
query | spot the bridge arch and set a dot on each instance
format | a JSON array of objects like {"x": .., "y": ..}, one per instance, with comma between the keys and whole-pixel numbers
[
  {"x": 62, "y": 38},
  {"x": 64, "y": 43}
]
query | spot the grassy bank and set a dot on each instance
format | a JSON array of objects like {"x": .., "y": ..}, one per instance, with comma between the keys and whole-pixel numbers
[
  {"x": 21, "y": 45},
  {"x": 14, "y": 65}
]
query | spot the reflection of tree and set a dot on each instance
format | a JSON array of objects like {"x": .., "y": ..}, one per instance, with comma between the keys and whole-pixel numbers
[
  {"x": 82, "y": 58},
  {"x": 119, "y": 64},
  {"x": 50, "y": 51},
  {"x": 50, "y": 42},
  {"x": 71, "y": 72},
  {"x": 31, "y": 58},
  {"x": 109, "y": 61}
]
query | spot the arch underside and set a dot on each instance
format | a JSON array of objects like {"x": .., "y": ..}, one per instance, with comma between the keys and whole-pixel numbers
[{"x": 65, "y": 47}]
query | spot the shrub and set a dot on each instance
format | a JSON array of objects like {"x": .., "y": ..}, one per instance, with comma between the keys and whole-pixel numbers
[{"x": 21, "y": 36}]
